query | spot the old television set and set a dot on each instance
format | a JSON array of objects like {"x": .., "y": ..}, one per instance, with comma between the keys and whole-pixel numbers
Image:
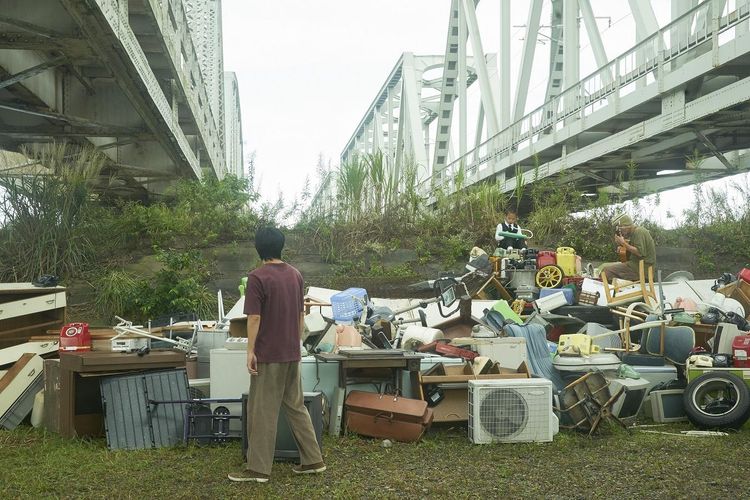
[
  {"x": 628, "y": 405},
  {"x": 667, "y": 406},
  {"x": 286, "y": 446}
]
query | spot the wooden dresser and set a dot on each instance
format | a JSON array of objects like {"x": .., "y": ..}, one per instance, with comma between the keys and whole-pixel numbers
[{"x": 27, "y": 310}]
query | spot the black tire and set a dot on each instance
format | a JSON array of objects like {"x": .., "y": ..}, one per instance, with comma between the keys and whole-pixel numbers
[{"x": 717, "y": 400}]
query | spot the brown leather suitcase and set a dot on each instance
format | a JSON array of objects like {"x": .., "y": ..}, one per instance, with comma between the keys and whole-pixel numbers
[{"x": 387, "y": 416}]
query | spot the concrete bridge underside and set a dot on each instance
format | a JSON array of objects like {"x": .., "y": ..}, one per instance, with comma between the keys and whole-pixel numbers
[{"x": 125, "y": 76}]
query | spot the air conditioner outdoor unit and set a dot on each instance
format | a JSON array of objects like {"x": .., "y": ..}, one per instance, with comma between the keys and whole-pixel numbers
[{"x": 511, "y": 411}]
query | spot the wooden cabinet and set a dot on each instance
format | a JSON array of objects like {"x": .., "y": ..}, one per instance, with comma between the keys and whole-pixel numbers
[
  {"x": 739, "y": 291},
  {"x": 72, "y": 386},
  {"x": 27, "y": 310}
]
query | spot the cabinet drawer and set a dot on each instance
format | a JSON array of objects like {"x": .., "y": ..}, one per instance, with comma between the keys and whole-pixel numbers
[{"x": 32, "y": 305}]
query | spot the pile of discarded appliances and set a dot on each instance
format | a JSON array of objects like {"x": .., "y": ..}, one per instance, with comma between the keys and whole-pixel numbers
[
  {"x": 570, "y": 355},
  {"x": 514, "y": 360}
]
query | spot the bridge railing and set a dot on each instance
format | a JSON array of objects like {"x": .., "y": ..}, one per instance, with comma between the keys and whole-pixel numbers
[{"x": 662, "y": 52}]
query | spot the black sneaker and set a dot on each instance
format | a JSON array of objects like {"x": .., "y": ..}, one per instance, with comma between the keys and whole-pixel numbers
[{"x": 309, "y": 469}]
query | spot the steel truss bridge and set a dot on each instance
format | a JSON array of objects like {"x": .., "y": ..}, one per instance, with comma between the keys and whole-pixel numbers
[
  {"x": 681, "y": 92},
  {"x": 142, "y": 80}
]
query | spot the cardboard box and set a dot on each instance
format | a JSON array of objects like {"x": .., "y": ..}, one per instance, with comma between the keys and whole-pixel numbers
[
  {"x": 454, "y": 407},
  {"x": 238, "y": 327},
  {"x": 739, "y": 291},
  {"x": 448, "y": 374}
]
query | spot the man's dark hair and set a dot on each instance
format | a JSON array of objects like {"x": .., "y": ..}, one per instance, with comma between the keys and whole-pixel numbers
[
  {"x": 511, "y": 211},
  {"x": 269, "y": 242}
]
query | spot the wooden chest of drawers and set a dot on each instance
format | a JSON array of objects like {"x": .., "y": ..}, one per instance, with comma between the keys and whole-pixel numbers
[{"x": 27, "y": 310}]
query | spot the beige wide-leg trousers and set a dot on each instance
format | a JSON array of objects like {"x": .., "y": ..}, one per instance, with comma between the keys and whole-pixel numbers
[{"x": 277, "y": 384}]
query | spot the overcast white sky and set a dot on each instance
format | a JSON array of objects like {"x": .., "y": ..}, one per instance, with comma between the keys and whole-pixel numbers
[{"x": 308, "y": 70}]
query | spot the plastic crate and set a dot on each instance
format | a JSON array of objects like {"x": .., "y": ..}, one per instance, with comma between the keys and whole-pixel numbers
[
  {"x": 349, "y": 304},
  {"x": 567, "y": 293},
  {"x": 586, "y": 298},
  {"x": 574, "y": 280}
]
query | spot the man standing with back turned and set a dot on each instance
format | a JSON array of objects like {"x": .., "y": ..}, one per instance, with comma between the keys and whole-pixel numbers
[{"x": 274, "y": 305}]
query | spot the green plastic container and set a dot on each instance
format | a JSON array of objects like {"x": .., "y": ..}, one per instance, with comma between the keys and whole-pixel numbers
[{"x": 509, "y": 314}]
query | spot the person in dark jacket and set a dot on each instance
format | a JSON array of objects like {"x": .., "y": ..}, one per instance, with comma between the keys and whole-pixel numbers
[{"x": 509, "y": 225}]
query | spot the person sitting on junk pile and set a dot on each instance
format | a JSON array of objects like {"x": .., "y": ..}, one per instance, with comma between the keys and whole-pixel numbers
[
  {"x": 274, "y": 304},
  {"x": 637, "y": 244},
  {"x": 509, "y": 225}
]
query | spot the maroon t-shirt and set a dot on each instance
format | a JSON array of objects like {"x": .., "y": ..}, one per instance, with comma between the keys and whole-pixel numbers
[{"x": 275, "y": 293}]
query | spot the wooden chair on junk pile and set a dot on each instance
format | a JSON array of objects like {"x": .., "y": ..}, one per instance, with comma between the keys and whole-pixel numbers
[
  {"x": 673, "y": 343},
  {"x": 622, "y": 292},
  {"x": 632, "y": 319},
  {"x": 588, "y": 401},
  {"x": 487, "y": 286}
]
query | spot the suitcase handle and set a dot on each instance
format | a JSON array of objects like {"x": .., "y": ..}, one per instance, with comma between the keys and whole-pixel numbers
[
  {"x": 382, "y": 414},
  {"x": 389, "y": 390}
]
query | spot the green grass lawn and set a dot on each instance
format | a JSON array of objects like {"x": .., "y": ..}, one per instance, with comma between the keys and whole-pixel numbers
[{"x": 613, "y": 464}]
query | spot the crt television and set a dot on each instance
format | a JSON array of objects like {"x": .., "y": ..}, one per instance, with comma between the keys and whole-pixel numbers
[
  {"x": 628, "y": 405},
  {"x": 286, "y": 446},
  {"x": 667, "y": 406}
]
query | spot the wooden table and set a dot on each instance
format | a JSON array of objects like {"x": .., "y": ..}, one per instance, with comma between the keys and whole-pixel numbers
[
  {"x": 78, "y": 397},
  {"x": 354, "y": 368},
  {"x": 703, "y": 333},
  {"x": 369, "y": 367}
]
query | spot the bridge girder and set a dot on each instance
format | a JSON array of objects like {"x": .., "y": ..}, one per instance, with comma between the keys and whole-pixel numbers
[
  {"x": 682, "y": 91},
  {"x": 120, "y": 71}
]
